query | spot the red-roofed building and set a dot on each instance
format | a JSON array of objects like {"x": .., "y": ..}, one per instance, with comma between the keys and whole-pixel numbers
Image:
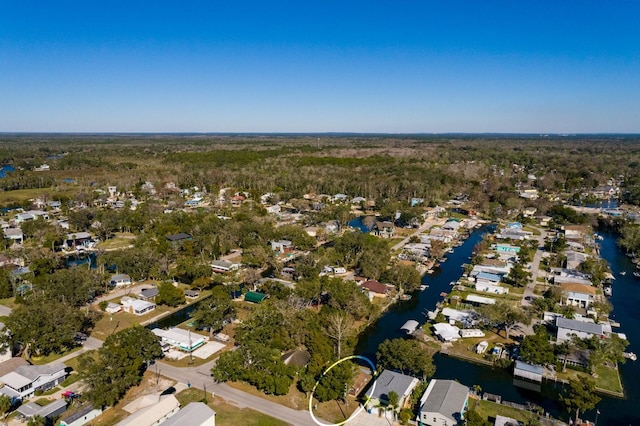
[{"x": 375, "y": 287}]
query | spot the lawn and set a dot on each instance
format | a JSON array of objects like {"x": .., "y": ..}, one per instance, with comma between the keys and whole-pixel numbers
[
  {"x": 488, "y": 409},
  {"x": 608, "y": 379},
  {"x": 332, "y": 410},
  {"x": 21, "y": 195},
  {"x": 41, "y": 360},
  {"x": 116, "y": 243},
  {"x": 109, "y": 324},
  {"x": 227, "y": 414}
]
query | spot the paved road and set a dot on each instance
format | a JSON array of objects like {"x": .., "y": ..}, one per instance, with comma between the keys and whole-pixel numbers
[
  {"x": 199, "y": 377},
  {"x": 535, "y": 269},
  {"x": 426, "y": 225}
]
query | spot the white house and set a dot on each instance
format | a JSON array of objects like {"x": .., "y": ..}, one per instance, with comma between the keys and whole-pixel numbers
[
  {"x": 25, "y": 380},
  {"x": 120, "y": 279},
  {"x": 135, "y": 306},
  {"x": 223, "y": 266},
  {"x": 444, "y": 403},
  {"x": 180, "y": 339},
  {"x": 194, "y": 414},
  {"x": 154, "y": 414},
  {"x": 581, "y": 329},
  {"x": 14, "y": 234}
]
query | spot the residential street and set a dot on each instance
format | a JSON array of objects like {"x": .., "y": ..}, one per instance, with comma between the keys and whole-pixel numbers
[
  {"x": 535, "y": 269},
  {"x": 199, "y": 377}
]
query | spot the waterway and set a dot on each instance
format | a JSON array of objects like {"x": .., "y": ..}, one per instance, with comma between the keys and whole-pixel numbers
[{"x": 626, "y": 301}]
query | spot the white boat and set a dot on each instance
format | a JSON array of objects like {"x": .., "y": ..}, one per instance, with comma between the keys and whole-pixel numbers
[
  {"x": 423, "y": 287},
  {"x": 630, "y": 355},
  {"x": 608, "y": 291},
  {"x": 623, "y": 273},
  {"x": 636, "y": 274}
]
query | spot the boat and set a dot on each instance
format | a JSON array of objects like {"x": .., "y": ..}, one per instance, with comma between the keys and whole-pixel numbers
[
  {"x": 452, "y": 283},
  {"x": 608, "y": 291},
  {"x": 423, "y": 287},
  {"x": 636, "y": 274},
  {"x": 405, "y": 297},
  {"x": 449, "y": 250},
  {"x": 442, "y": 259},
  {"x": 623, "y": 273},
  {"x": 630, "y": 355}
]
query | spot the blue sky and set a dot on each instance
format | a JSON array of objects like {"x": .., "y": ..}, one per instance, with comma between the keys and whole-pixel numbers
[{"x": 320, "y": 66}]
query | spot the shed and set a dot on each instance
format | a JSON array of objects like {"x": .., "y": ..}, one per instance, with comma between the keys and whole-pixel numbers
[
  {"x": 82, "y": 416},
  {"x": 254, "y": 297},
  {"x": 529, "y": 372}
]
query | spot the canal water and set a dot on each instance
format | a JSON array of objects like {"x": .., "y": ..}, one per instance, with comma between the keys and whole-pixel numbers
[{"x": 626, "y": 301}]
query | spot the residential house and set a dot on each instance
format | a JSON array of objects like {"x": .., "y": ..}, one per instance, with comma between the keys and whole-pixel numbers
[
  {"x": 76, "y": 239},
  {"x": 178, "y": 239},
  {"x": 574, "y": 258},
  {"x": 529, "y": 211},
  {"x": 14, "y": 234},
  {"x": 25, "y": 380},
  {"x": 446, "y": 332},
  {"x": 148, "y": 294},
  {"x": 452, "y": 225},
  {"x": 282, "y": 246},
  {"x": 178, "y": 338},
  {"x": 390, "y": 381},
  {"x": 135, "y": 306},
  {"x": 505, "y": 421},
  {"x": 566, "y": 328},
  {"x": 376, "y": 288},
  {"x": 529, "y": 194},
  {"x": 48, "y": 412},
  {"x": 194, "y": 414},
  {"x": 113, "y": 308},
  {"x": 574, "y": 232},
  {"x": 444, "y": 403},
  {"x": 223, "y": 266},
  {"x": 576, "y": 294},
  {"x": 31, "y": 215},
  {"x": 506, "y": 248},
  {"x": 384, "y": 229},
  {"x": 120, "y": 279},
  {"x": 298, "y": 357},
  {"x": 81, "y": 417},
  {"x": 191, "y": 294},
  {"x": 155, "y": 414}
]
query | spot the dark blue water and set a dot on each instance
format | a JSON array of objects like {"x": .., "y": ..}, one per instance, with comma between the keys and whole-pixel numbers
[
  {"x": 81, "y": 259},
  {"x": 357, "y": 223},
  {"x": 6, "y": 169},
  {"x": 626, "y": 300},
  {"x": 388, "y": 326}
]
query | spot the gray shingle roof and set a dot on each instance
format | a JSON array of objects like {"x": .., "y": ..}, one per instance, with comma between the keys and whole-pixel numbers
[
  {"x": 389, "y": 381},
  {"x": 581, "y": 326},
  {"x": 446, "y": 397}
]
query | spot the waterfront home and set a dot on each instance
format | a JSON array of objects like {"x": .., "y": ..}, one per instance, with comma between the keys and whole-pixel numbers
[
  {"x": 566, "y": 328},
  {"x": 505, "y": 421},
  {"x": 148, "y": 294},
  {"x": 574, "y": 232},
  {"x": 135, "y": 306},
  {"x": 505, "y": 249},
  {"x": 444, "y": 403},
  {"x": 575, "y": 294},
  {"x": 446, "y": 332},
  {"x": 471, "y": 332},
  {"x": 384, "y": 229},
  {"x": 180, "y": 339},
  {"x": 458, "y": 316},
  {"x": 76, "y": 239},
  {"x": 25, "y": 380},
  {"x": 476, "y": 300},
  {"x": 390, "y": 381},
  {"x": 376, "y": 288},
  {"x": 194, "y": 414},
  {"x": 574, "y": 258}
]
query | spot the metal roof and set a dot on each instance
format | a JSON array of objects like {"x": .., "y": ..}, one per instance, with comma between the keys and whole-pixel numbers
[
  {"x": 529, "y": 368},
  {"x": 581, "y": 326}
]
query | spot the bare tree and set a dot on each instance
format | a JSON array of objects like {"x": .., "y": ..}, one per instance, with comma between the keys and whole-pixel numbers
[{"x": 339, "y": 327}]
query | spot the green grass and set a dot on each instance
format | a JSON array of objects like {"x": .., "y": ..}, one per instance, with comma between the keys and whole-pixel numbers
[
  {"x": 608, "y": 379},
  {"x": 52, "y": 357},
  {"x": 227, "y": 414},
  {"x": 488, "y": 409}
]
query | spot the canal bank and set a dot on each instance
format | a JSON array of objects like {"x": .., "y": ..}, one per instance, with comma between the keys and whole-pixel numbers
[{"x": 625, "y": 299}]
